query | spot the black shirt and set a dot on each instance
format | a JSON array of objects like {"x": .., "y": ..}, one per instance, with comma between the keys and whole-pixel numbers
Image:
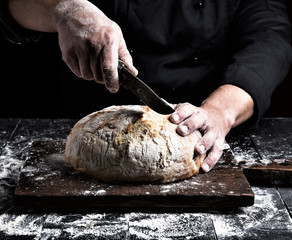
[{"x": 185, "y": 49}]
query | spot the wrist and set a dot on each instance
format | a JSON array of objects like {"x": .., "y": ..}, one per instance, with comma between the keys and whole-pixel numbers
[
  {"x": 75, "y": 12},
  {"x": 225, "y": 117},
  {"x": 231, "y": 103},
  {"x": 61, "y": 11},
  {"x": 66, "y": 10}
]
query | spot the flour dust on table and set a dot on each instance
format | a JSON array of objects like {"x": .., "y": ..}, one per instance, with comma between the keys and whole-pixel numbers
[
  {"x": 9, "y": 171},
  {"x": 267, "y": 216}
]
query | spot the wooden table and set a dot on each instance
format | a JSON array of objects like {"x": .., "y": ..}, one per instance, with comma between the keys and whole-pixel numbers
[{"x": 268, "y": 218}]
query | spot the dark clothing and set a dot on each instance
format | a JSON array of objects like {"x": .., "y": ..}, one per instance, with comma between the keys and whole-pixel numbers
[{"x": 185, "y": 49}]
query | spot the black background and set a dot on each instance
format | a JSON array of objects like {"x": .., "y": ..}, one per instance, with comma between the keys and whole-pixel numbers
[{"x": 35, "y": 82}]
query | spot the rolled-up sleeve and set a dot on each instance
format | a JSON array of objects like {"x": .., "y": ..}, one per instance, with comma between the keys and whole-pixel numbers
[
  {"x": 261, "y": 50},
  {"x": 13, "y": 31}
]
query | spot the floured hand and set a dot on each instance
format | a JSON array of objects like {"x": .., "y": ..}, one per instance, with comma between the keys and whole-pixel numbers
[
  {"x": 227, "y": 107},
  {"x": 212, "y": 125},
  {"x": 91, "y": 43}
]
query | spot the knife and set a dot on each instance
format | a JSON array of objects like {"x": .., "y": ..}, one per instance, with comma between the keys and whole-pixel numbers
[{"x": 142, "y": 90}]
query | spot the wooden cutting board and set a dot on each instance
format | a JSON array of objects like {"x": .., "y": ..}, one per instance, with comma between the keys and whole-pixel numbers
[{"x": 48, "y": 181}]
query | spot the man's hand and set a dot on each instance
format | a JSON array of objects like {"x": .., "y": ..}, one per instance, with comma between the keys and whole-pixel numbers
[
  {"x": 91, "y": 43},
  {"x": 227, "y": 107},
  {"x": 212, "y": 124}
]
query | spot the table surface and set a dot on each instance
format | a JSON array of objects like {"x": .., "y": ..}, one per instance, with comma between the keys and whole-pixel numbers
[{"x": 269, "y": 218}]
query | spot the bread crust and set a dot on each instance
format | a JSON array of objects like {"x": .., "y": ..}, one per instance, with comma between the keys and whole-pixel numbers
[{"x": 132, "y": 144}]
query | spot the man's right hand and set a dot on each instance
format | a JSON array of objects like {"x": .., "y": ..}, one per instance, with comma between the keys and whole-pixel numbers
[{"x": 91, "y": 43}]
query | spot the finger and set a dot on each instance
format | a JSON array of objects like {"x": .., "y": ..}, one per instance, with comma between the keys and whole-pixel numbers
[
  {"x": 109, "y": 67},
  {"x": 125, "y": 56},
  {"x": 73, "y": 63},
  {"x": 95, "y": 64},
  {"x": 84, "y": 65},
  {"x": 213, "y": 156},
  {"x": 95, "y": 69},
  {"x": 196, "y": 121},
  {"x": 182, "y": 112},
  {"x": 206, "y": 142}
]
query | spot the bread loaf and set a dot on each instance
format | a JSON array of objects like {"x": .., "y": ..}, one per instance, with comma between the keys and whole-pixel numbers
[{"x": 132, "y": 144}]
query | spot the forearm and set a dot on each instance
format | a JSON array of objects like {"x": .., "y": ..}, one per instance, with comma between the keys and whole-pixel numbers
[
  {"x": 35, "y": 15},
  {"x": 260, "y": 50},
  {"x": 235, "y": 105}
]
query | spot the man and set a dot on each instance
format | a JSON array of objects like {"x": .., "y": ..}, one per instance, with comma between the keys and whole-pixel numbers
[{"x": 220, "y": 60}]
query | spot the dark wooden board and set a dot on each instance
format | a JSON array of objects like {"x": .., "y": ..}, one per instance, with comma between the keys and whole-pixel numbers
[
  {"x": 273, "y": 171},
  {"x": 258, "y": 169},
  {"x": 48, "y": 181},
  {"x": 273, "y": 140}
]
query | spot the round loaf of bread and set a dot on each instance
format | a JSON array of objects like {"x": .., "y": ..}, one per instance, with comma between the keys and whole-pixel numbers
[{"x": 132, "y": 144}]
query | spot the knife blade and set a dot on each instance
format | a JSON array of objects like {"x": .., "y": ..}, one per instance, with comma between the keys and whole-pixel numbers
[{"x": 142, "y": 91}]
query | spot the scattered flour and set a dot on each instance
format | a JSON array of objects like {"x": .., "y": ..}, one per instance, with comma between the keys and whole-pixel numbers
[
  {"x": 169, "y": 226},
  {"x": 262, "y": 216},
  {"x": 9, "y": 164},
  {"x": 91, "y": 226},
  {"x": 21, "y": 225}
]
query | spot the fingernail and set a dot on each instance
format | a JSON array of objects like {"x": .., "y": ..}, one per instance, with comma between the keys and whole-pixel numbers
[
  {"x": 175, "y": 117},
  {"x": 184, "y": 129},
  {"x": 201, "y": 149},
  {"x": 135, "y": 71},
  {"x": 205, "y": 167},
  {"x": 113, "y": 90}
]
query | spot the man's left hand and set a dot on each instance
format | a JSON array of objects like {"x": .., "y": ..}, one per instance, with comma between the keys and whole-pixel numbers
[
  {"x": 212, "y": 125},
  {"x": 227, "y": 107}
]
